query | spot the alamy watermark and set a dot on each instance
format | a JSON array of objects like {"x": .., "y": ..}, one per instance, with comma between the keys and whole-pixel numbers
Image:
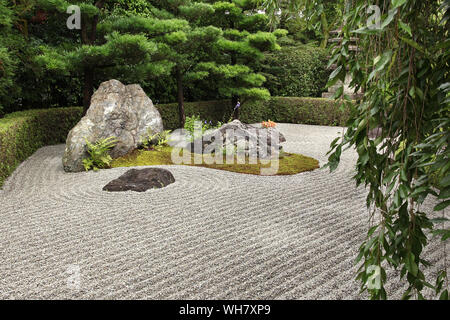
[
  {"x": 374, "y": 20},
  {"x": 74, "y": 20},
  {"x": 73, "y": 277},
  {"x": 374, "y": 279}
]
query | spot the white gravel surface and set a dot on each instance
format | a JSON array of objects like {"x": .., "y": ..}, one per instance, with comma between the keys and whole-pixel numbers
[{"x": 210, "y": 235}]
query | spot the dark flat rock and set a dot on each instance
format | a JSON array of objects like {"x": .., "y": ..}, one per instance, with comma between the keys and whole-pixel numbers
[{"x": 141, "y": 180}]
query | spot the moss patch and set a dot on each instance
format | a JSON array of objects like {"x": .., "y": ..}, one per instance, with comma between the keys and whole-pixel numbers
[{"x": 289, "y": 164}]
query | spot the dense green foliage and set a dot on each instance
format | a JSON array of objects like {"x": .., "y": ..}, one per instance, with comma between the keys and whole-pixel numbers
[
  {"x": 217, "y": 47},
  {"x": 196, "y": 126},
  {"x": 404, "y": 70},
  {"x": 296, "y": 71},
  {"x": 22, "y": 133},
  {"x": 109, "y": 45},
  {"x": 7, "y": 61},
  {"x": 245, "y": 39},
  {"x": 155, "y": 140},
  {"x": 306, "y": 20}
]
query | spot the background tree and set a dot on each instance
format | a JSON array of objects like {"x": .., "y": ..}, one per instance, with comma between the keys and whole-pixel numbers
[
  {"x": 315, "y": 17},
  {"x": 241, "y": 47},
  {"x": 7, "y": 62},
  {"x": 102, "y": 49},
  {"x": 184, "y": 48},
  {"x": 188, "y": 48}
]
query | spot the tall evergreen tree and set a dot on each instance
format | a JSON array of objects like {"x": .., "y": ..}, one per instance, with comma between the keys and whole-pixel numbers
[
  {"x": 102, "y": 49},
  {"x": 190, "y": 47},
  {"x": 184, "y": 49},
  {"x": 245, "y": 38}
]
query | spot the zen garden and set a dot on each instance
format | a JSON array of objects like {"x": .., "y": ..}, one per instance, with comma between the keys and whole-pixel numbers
[{"x": 224, "y": 150}]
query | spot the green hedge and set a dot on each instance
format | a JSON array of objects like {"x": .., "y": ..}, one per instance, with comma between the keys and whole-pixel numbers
[
  {"x": 218, "y": 110},
  {"x": 316, "y": 111},
  {"x": 22, "y": 133}
]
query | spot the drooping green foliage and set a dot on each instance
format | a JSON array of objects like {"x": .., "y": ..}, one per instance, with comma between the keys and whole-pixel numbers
[{"x": 403, "y": 68}]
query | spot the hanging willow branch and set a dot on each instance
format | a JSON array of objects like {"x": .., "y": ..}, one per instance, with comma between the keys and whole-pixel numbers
[{"x": 404, "y": 70}]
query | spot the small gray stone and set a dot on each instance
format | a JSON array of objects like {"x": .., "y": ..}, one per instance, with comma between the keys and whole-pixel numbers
[
  {"x": 141, "y": 180},
  {"x": 124, "y": 112}
]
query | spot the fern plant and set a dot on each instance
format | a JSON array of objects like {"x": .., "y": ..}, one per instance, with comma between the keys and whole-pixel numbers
[
  {"x": 157, "y": 140},
  {"x": 99, "y": 157}
]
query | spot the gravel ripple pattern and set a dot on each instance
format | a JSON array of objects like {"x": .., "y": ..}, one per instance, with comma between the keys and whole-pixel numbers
[{"x": 210, "y": 235}]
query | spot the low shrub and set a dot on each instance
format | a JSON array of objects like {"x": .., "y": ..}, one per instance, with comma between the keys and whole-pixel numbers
[
  {"x": 22, "y": 133},
  {"x": 196, "y": 126},
  {"x": 215, "y": 111}
]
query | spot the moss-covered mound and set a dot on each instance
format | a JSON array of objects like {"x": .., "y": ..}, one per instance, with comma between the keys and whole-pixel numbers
[{"x": 288, "y": 164}]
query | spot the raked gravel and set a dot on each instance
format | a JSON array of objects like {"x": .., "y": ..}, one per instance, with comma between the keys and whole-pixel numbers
[{"x": 210, "y": 235}]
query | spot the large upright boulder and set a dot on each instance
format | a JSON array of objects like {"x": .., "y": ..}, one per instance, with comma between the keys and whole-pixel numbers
[{"x": 124, "y": 112}]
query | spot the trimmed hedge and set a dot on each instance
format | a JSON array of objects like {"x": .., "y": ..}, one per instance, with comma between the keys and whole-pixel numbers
[
  {"x": 316, "y": 111},
  {"x": 216, "y": 110},
  {"x": 22, "y": 133}
]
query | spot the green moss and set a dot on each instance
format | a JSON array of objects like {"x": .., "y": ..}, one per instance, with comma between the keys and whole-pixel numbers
[{"x": 289, "y": 164}]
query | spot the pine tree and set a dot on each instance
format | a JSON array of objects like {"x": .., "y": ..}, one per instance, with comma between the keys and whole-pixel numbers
[
  {"x": 102, "y": 48},
  {"x": 191, "y": 46},
  {"x": 245, "y": 38}
]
